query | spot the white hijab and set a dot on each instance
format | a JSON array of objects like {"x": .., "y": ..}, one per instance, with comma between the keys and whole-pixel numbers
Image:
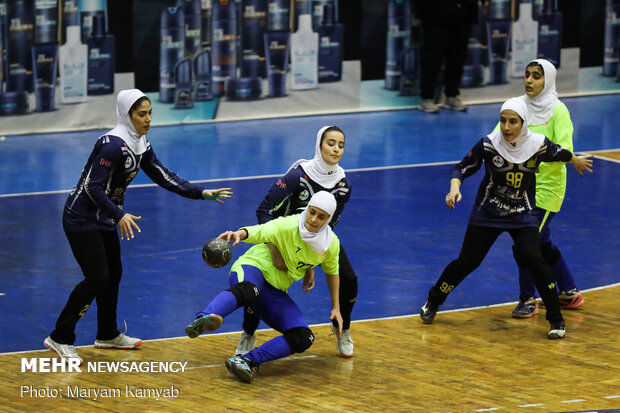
[
  {"x": 541, "y": 107},
  {"x": 319, "y": 241},
  {"x": 526, "y": 144},
  {"x": 124, "y": 128},
  {"x": 317, "y": 169}
]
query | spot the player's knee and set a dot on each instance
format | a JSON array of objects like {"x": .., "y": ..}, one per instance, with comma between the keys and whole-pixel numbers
[
  {"x": 245, "y": 292},
  {"x": 98, "y": 279},
  {"x": 550, "y": 253},
  {"x": 299, "y": 339}
]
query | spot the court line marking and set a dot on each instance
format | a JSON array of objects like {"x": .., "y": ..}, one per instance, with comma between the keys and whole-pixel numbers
[
  {"x": 230, "y": 333},
  {"x": 240, "y": 178},
  {"x": 604, "y": 158},
  {"x": 251, "y": 177}
]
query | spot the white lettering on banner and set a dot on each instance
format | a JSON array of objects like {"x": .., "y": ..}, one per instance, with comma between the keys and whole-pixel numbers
[
  {"x": 36, "y": 392},
  {"x": 157, "y": 393},
  {"x": 50, "y": 365},
  {"x": 136, "y": 367},
  {"x": 95, "y": 393},
  {"x": 70, "y": 365}
]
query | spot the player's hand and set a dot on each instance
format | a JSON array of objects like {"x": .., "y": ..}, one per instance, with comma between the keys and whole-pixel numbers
[
  {"x": 126, "y": 223},
  {"x": 308, "y": 283},
  {"x": 454, "y": 196},
  {"x": 581, "y": 162},
  {"x": 335, "y": 315},
  {"x": 235, "y": 236},
  {"x": 216, "y": 194}
]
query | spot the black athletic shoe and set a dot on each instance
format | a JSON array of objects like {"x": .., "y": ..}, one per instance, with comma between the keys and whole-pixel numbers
[
  {"x": 427, "y": 312},
  {"x": 558, "y": 330},
  {"x": 209, "y": 322},
  {"x": 242, "y": 368}
]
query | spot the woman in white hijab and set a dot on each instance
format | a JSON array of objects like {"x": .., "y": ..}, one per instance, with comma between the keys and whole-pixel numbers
[
  {"x": 550, "y": 117},
  {"x": 290, "y": 195},
  {"x": 93, "y": 211},
  {"x": 305, "y": 241},
  {"x": 510, "y": 156}
]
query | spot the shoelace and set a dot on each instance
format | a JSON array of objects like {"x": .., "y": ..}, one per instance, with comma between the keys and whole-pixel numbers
[
  {"x": 71, "y": 351},
  {"x": 347, "y": 338}
]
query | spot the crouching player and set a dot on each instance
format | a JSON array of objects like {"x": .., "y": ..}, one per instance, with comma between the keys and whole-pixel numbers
[{"x": 305, "y": 241}]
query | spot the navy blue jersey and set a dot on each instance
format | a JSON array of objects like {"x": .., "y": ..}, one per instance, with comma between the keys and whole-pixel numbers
[
  {"x": 97, "y": 200},
  {"x": 291, "y": 193},
  {"x": 506, "y": 196}
]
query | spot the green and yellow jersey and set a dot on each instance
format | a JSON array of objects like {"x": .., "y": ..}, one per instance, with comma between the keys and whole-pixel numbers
[{"x": 284, "y": 233}]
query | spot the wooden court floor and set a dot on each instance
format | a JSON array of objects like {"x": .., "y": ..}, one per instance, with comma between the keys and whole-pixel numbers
[{"x": 469, "y": 360}]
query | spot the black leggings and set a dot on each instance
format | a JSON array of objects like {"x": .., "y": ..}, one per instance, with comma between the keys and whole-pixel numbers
[
  {"x": 347, "y": 296},
  {"x": 478, "y": 240},
  {"x": 99, "y": 255}
]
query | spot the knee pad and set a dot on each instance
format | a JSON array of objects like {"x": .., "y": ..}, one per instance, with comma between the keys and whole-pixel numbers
[
  {"x": 550, "y": 253},
  {"x": 245, "y": 292},
  {"x": 299, "y": 339}
]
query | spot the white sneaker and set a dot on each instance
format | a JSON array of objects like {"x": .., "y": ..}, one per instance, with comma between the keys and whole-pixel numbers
[
  {"x": 121, "y": 341},
  {"x": 64, "y": 351},
  {"x": 246, "y": 344},
  {"x": 345, "y": 343},
  {"x": 557, "y": 331},
  {"x": 455, "y": 104},
  {"x": 429, "y": 106}
]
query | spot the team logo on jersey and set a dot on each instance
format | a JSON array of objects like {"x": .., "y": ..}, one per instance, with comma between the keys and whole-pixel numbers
[
  {"x": 129, "y": 162},
  {"x": 498, "y": 161},
  {"x": 304, "y": 195},
  {"x": 531, "y": 163}
]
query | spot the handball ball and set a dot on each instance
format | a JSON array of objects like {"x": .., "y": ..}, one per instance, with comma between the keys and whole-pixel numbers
[{"x": 216, "y": 252}]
